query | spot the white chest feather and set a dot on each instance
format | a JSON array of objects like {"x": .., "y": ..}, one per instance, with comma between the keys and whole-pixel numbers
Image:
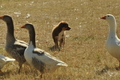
[
  {"x": 113, "y": 47},
  {"x": 29, "y": 53}
]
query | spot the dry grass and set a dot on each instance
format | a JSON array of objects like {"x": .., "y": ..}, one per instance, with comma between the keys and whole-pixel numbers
[{"x": 84, "y": 51}]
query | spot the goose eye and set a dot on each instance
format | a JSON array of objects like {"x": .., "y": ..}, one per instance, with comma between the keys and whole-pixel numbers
[{"x": 108, "y": 16}]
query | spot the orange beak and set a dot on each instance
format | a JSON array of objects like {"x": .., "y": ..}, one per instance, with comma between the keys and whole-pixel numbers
[
  {"x": 1, "y": 17},
  {"x": 23, "y": 26},
  {"x": 103, "y": 17}
]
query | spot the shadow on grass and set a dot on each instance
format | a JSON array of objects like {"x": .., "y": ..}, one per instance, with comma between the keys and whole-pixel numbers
[
  {"x": 54, "y": 48},
  {"x": 106, "y": 70}
]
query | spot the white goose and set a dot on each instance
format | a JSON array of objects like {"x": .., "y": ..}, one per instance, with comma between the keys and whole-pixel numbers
[
  {"x": 39, "y": 58},
  {"x": 4, "y": 60},
  {"x": 113, "y": 42}
]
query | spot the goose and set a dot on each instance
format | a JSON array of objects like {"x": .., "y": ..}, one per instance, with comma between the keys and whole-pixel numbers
[
  {"x": 13, "y": 46},
  {"x": 4, "y": 60},
  {"x": 113, "y": 42},
  {"x": 38, "y": 58}
]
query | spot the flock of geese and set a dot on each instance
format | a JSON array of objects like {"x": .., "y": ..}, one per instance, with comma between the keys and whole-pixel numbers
[
  {"x": 22, "y": 51},
  {"x": 40, "y": 59}
]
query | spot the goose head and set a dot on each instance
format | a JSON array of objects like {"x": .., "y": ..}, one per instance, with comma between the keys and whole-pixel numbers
[
  {"x": 31, "y": 31},
  {"x": 109, "y": 18},
  {"x": 6, "y": 18},
  {"x": 29, "y": 27}
]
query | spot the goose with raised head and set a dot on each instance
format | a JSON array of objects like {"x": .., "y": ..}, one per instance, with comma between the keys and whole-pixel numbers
[
  {"x": 13, "y": 46},
  {"x": 38, "y": 58},
  {"x": 113, "y": 42},
  {"x": 4, "y": 60}
]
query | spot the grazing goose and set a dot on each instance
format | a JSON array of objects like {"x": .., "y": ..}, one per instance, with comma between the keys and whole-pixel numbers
[
  {"x": 113, "y": 42},
  {"x": 4, "y": 60},
  {"x": 13, "y": 46},
  {"x": 39, "y": 58}
]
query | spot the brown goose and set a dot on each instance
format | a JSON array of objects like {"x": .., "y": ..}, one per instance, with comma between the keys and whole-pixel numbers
[
  {"x": 13, "y": 46},
  {"x": 39, "y": 58}
]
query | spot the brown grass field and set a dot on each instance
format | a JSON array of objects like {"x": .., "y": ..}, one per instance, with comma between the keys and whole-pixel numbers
[{"x": 84, "y": 51}]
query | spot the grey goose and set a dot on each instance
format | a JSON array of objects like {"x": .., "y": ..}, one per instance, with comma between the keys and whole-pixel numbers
[{"x": 13, "y": 46}]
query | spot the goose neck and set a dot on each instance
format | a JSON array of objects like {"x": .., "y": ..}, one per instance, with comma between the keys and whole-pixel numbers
[
  {"x": 112, "y": 30},
  {"x": 32, "y": 38},
  {"x": 10, "y": 32}
]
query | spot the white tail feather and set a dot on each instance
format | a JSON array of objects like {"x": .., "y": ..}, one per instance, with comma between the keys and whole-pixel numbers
[
  {"x": 62, "y": 64},
  {"x": 10, "y": 60}
]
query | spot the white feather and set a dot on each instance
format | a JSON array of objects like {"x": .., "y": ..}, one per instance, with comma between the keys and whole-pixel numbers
[{"x": 4, "y": 60}]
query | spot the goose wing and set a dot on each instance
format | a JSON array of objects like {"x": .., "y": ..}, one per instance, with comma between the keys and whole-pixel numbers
[
  {"x": 46, "y": 58},
  {"x": 19, "y": 47},
  {"x": 5, "y": 59}
]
